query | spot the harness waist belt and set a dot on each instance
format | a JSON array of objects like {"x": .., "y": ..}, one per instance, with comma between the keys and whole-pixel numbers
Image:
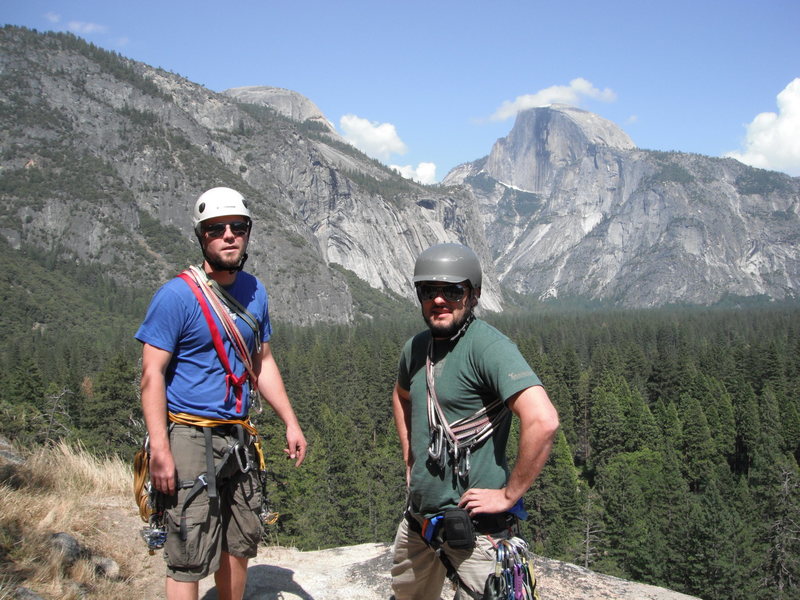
[{"x": 484, "y": 524}]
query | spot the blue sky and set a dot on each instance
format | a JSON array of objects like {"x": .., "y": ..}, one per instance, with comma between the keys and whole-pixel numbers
[{"x": 429, "y": 85}]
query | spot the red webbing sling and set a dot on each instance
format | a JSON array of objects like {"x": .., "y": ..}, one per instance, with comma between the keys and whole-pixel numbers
[{"x": 230, "y": 378}]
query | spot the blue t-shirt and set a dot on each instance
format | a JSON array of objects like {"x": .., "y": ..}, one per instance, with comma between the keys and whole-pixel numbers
[{"x": 195, "y": 377}]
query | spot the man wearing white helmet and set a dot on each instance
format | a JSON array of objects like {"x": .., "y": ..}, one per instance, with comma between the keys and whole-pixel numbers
[
  {"x": 206, "y": 355},
  {"x": 458, "y": 383}
]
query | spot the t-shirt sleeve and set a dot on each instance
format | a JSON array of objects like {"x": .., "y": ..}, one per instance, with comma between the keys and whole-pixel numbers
[
  {"x": 403, "y": 370},
  {"x": 162, "y": 325},
  {"x": 506, "y": 369},
  {"x": 263, "y": 319}
]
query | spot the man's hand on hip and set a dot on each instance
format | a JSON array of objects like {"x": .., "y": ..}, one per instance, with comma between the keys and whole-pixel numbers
[{"x": 482, "y": 501}]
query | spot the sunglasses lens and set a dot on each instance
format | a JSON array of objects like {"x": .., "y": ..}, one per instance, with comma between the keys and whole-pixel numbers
[
  {"x": 214, "y": 231},
  {"x": 217, "y": 230},
  {"x": 451, "y": 293},
  {"x": 239, "y": 228}
]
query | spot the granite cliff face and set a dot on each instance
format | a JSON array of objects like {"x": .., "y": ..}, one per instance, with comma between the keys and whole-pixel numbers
[
  {"x": 102, "y": 158},
  {"x": 571, "y": 208}
]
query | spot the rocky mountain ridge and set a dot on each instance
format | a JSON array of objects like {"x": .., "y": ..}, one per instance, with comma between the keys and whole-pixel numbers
[
  {"x": 104, "y": 157},
  {"x": 571, "y": 207}
]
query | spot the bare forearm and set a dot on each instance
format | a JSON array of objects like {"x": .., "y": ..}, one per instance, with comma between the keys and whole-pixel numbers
[
  {"x": 272, "y": 389},
  {"x": 154, "y": 408},
  {"x": 538, "y": 426},
  {"x": 401, "y": 407},
  {"x": 534, "y": 449}
]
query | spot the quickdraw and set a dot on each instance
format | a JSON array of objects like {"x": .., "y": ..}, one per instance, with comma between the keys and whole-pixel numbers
[{"x": 513, "y": 577}]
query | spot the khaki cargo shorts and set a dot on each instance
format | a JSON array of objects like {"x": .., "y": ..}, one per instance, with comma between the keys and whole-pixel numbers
[{"x": 231, "y": 525}]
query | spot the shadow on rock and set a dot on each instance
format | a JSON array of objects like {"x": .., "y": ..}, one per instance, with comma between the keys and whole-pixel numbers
[{"x": 265, "y": 582}]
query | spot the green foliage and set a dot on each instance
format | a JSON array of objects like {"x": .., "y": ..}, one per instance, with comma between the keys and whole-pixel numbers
[
  {"x": 754, "y": 181},
  {"x": 111, "y": 410},
  {"x": 62, "y": 174},
  {"x": 371, "y": 303},
  {"x": 676, "y": 463},
  {"x": 171, "y": 244},
  {"x": 673, "y": 173},
  {"x": 113, "y": 63}
]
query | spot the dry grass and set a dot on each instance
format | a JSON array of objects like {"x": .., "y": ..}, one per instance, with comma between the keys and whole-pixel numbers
[{"x": 65, "y": 489}]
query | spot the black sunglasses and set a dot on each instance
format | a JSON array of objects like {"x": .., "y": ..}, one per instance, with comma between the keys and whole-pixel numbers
[
  {"x": 217, "y": 230},
  {"x": 452, "y": 292}
]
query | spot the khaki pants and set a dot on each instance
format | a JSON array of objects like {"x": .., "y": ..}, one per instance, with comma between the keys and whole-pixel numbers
[
  {"x": 231, "y": 525},
  {"x": 418, "y": 574}
]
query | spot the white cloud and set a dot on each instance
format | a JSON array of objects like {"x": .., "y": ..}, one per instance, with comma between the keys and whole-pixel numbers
[
  {"x": 424, "y": 172},
  {"x": 379, "y": 140},
  {"x": 84, "y": 28},
  {"x": 52, "y": 17},
  {"x": 773, "y": 139},
  {"x": 573, "y": 93}
]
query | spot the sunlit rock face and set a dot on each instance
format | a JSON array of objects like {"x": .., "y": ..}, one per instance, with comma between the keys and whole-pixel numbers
[
  {"x": 103, "y": 157},
  {"x": 571, "y": 208}
]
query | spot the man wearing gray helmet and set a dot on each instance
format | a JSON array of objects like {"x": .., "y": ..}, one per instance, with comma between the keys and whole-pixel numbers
[
  {"x": 458, "y": 384},
  {"x": 206, "y": 353}
]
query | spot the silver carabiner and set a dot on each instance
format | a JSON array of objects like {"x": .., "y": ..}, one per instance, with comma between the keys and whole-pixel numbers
[
  {"x": 464, "y": 464},
  {"x": 436, "y": 446},
  {"x": 239, "y": 450}
]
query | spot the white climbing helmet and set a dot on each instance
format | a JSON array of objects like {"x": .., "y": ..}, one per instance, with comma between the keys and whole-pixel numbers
[{"x": 219, "y": 202}]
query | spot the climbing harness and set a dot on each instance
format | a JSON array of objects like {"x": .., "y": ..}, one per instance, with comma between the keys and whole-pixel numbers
[
  {"x": 198, "y": 282},
  {"x": 210, "y": 296},
  {"x": 513, "y": 577},
  {"x": 452, "y": 527},
  {"x": 456, "y": 440},
  {"x": 151, "y": 501}
]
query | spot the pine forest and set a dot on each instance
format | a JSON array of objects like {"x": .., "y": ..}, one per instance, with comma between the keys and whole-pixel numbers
[{"x": 676, "y": 463}]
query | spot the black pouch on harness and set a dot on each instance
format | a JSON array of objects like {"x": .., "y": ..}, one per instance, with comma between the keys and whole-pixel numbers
[{"x": 459, "y": 532}]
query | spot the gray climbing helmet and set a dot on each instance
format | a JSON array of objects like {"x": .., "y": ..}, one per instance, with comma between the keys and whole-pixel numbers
[{"x": 450, "y": 263}]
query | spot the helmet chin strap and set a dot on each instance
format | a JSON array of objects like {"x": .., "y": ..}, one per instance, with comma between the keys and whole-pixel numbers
[{"x": 463, "y": 329}]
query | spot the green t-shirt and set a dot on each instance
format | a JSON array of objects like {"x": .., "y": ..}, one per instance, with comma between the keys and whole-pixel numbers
[{"x": 479, "y": 367}]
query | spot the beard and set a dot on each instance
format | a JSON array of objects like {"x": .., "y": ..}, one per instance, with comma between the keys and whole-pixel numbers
[
  {"x": 448, "y": 331},
  {"x": 226, "y": 263}
]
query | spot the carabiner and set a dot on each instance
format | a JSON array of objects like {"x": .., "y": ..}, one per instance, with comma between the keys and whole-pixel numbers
[
  {"x": 464, "y": 464},
  {"x": 436, "y": 446},
  {"x": 239, "y": 450}
]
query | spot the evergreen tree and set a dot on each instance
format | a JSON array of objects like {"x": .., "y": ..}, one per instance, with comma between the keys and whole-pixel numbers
[
  {"x": 779, "y": 533},
  {"x": 607, "y": 432},
  {"x": 108, "y": 414},
  {"x": 745, "y": 409},
  {"x": 554, "y": 505},
  {"x": 698, "y": 446},
  {"x": 26, "y": 385},
  {"x": 634, "y": 546},
  {"x": 591, "y": 519}
]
